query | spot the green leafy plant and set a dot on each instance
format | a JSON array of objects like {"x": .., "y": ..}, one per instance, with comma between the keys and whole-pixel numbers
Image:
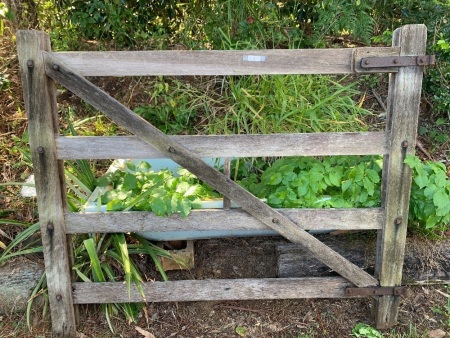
[
  {"x": 305, "y": 182},
  {"x": 429, "y": 210},
  {"x": 444, "y": 311},
  {"x": 366, "y": 331},
  {"x": 140, "y": 188}
]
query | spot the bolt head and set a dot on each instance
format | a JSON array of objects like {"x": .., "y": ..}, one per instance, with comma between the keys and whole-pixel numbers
[{"x": 55, "y": 67}]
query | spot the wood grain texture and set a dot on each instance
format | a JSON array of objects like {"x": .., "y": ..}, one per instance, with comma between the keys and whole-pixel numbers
[
  {"x": 314, "y": 144},
  {"x": 403, "y": 112},
  {"x": 217, "y": 219},
  {"x": 207, "y": 62},
  {"x": 40, "y": 103},
  {"x": 212, "y": 289},
  {"x": 181, "y": 155}
]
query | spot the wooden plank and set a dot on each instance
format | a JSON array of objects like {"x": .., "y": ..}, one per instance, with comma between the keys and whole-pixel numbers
[
  {"x": 217, "y": 219},
  {"x": 403, "y": 113},
  {"x": 40, "y": 103},
  {"x": 314, "y": 144},
  {"x": 212, "y": 289},
  {"x": 208, "y": 62},
  {"x": 177, "y": 152}
]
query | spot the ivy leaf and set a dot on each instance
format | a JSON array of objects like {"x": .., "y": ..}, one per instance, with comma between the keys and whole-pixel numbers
[
  {"x": 373, "y": 175},
  {"x": 335, "y": 178},
  {"x": 131, "y": 166},
  {"x": 275, "y": 179},
  {"x": 158, "y": 206},
  {"x": 442, "y": 202},
  {"x": 421, "y": 179},
  {"x": 129, "y": 181}
]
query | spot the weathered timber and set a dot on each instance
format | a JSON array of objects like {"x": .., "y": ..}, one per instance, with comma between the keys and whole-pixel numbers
[
  {"x": 426, "y": 262},
  {"x": 402, "y": 119},
  {"x": 217, "y": 219},
  {"x": 213, "y": 289},
  {"x": 177, "y": 152},
  {"x": 314, "y": 144},
  {"x": 206, "y": 62},
  {"x": 18, "y": 278},
  {"x": 40, "y": 103}
]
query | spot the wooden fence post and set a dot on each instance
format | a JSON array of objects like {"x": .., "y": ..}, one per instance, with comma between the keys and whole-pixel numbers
[
  {"x": 403, "y": 112},
  {"x": 40, "y": 102}
]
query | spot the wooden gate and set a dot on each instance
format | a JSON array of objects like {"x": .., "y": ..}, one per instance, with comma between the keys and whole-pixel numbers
[{"x": 40, "y": 67}]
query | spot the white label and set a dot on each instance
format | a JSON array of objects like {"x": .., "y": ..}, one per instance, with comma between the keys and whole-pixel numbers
[{"x": 254, "y": 58}]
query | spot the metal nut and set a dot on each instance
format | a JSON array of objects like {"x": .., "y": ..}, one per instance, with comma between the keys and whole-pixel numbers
[
  {"x": 40, "y": 150},
  {"x": 398, "y": 221},
  {"x": 58, "y": 297},
  {"x": 30, "y": 63},
  {"x": 405, "y": 144},
  {"x": 275, "y": 220},
  {"x": 55, "y": 67}
]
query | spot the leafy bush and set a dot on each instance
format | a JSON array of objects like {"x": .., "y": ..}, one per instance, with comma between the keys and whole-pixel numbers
[
  {"x": 429, "y": 210},
  {"x": 305, "y": 182}
]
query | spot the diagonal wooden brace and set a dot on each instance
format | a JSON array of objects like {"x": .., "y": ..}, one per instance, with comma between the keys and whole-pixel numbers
[{"x": 177, "y": 152}]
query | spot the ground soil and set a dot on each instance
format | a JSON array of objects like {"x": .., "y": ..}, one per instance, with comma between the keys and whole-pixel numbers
[{"x": 247, "y": 258}]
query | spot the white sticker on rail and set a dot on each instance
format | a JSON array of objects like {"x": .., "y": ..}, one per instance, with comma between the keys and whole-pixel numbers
[{"x": 254, "y": 58}]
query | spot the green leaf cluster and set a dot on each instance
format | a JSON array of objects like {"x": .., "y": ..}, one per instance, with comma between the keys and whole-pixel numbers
[
  {"x": 366, "y": 331},
  {"x": 330, "y": 182},
  {"x": 140, "y": 188},
  {"x": 429, "y": 209}
]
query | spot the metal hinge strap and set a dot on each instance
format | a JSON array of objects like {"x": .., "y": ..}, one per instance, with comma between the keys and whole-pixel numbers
[
  {"x": 377, "y": 291},
  {"x": 397, "y": 61}
]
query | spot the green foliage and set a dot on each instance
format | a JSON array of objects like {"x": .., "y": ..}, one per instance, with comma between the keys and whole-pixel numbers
[
  {"x": 140, "y": 188},
  {"x": 173, "y": 105},
  {"x": 444, "y": 311},
  {"x": 288, "y": 103},
  {"x": 342, "y": 17},
  {"x": 429, "y": 210},
  {"x": 305, "y": 182},
  {"x": 366, "y": 331}
]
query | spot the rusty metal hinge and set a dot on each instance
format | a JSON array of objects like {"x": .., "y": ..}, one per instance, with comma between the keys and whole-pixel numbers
[
  {"x": 377, "y": 291},
  {"x": 397, "y": 61}
]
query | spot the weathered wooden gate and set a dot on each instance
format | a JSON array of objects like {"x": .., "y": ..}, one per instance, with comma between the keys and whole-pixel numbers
[{"x": 39, "y": 67}]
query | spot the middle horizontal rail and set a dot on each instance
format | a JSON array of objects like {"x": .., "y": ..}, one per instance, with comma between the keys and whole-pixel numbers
[
  {"x": 217, "y": 219},
  {"x": 308, "y": 144}
]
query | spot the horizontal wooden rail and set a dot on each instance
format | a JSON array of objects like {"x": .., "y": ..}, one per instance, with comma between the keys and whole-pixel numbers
[
  {"x": 313, "y": 144},
  {"x": 208, "y": 62},
  {"x": 217, "y": 219},
  {"x": 212, "y": 289}
]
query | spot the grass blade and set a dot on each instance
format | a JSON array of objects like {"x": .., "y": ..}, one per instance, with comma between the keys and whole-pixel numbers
[{"x": 95, "y": 261}]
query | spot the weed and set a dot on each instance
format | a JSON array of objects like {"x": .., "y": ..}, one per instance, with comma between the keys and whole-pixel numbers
[
  {"x": 365, "y": 331},
  {"x": 429, "y": 210},
  {"x": 444, "y": 311}
]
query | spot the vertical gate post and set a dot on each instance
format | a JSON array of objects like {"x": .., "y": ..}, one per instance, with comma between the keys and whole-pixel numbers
[
  {"x": 402, "y": 120},
  {"x": 40, "y": 102}
]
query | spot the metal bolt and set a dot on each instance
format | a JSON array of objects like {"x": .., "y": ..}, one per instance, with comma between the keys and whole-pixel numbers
[
  {"x": 40, "y": 150},
  {"x": 171, "y": 149},
  {"x": 366, "y": 62},
  {"x": 395, "y": 61},
  {"x": 58, "y": 297},
  {"x": 55, "y": 67},
  {"x": 405, "y": 144},
  {"x": 30, "y": 63},
  {"x": 275, "y": 220},
  {"x": 50, "y": 226},
  {"x": 398, "y": 221}
]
